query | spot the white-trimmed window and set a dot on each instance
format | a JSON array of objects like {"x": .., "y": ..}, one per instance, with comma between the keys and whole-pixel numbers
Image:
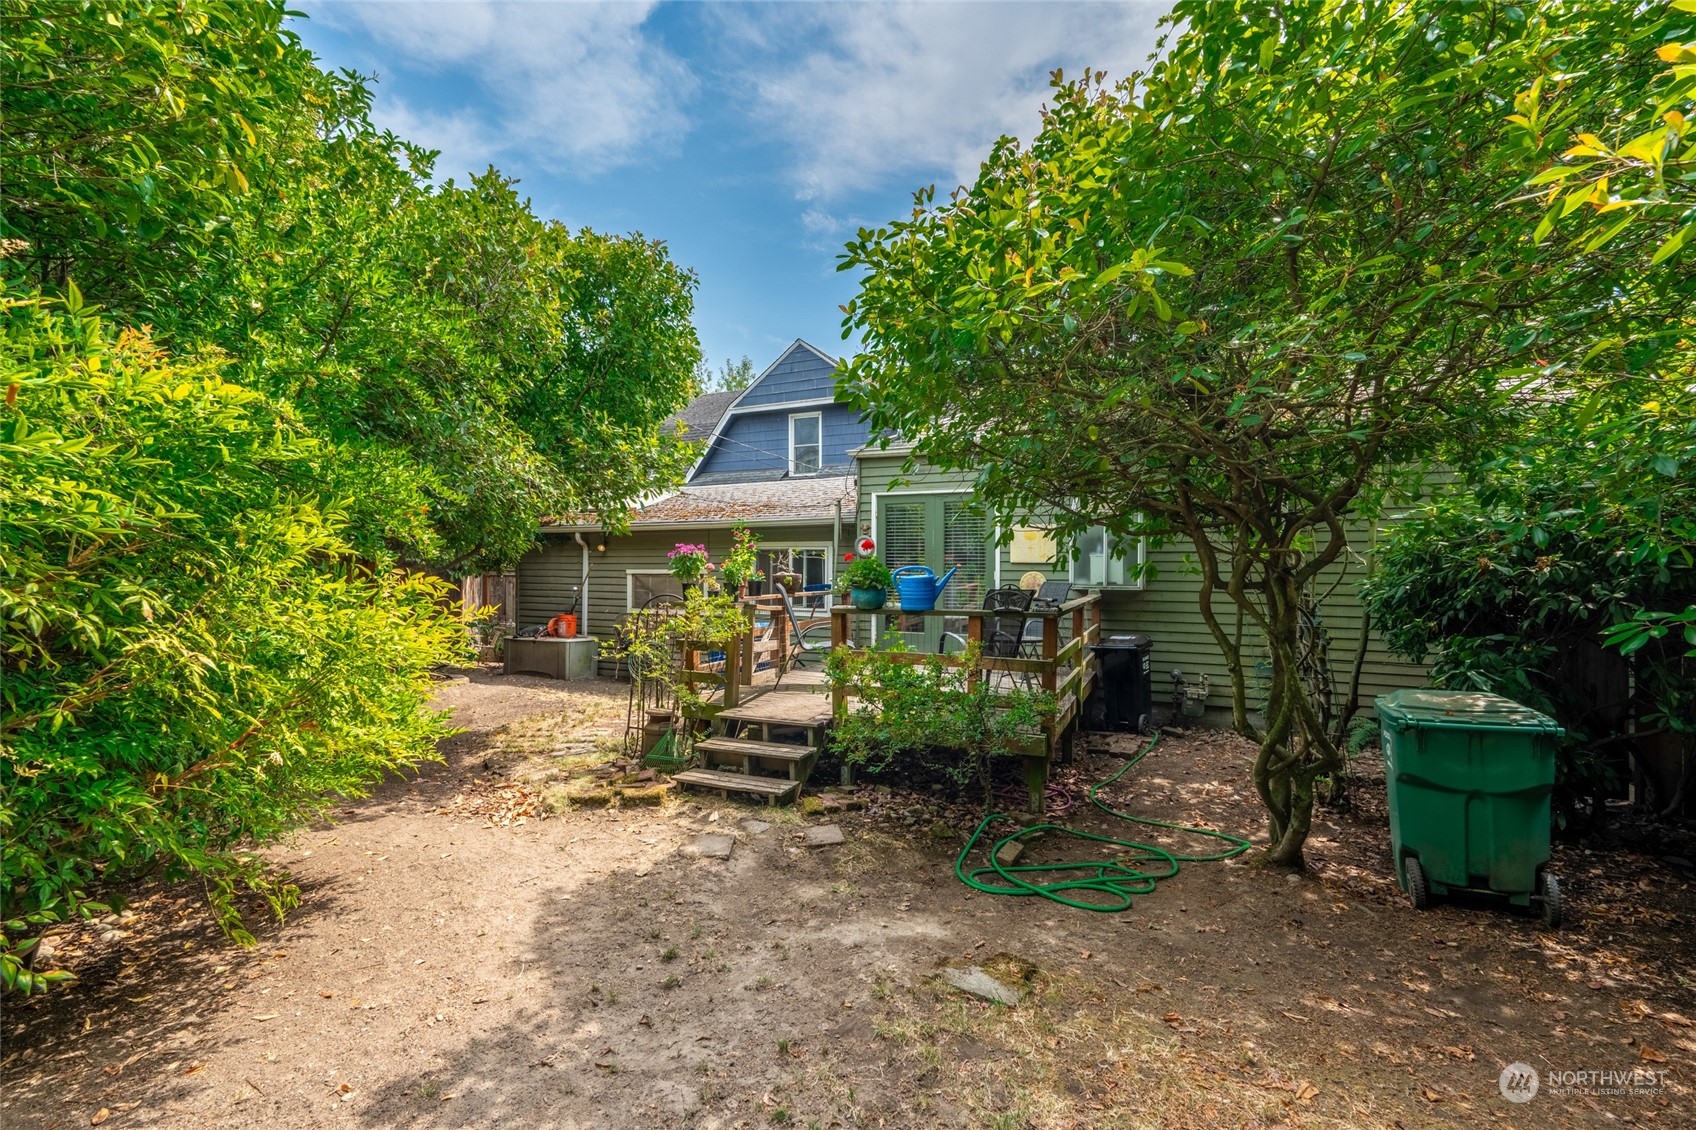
[
  {"x": 811, "y": 563},
  {"x": 1102, "y": 560},
  {"x": 642, "y": 585},
  {"x": 806, "y": 443}
]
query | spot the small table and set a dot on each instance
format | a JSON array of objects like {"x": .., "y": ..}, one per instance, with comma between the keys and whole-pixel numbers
[{"x": 556, "y": 658}]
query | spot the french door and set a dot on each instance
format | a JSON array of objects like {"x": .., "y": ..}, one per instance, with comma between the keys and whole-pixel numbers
[{"x": 939, "y": 531}]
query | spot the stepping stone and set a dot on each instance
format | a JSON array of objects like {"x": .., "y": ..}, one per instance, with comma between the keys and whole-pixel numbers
[
  {"x": 975, "y": 981},
  {"x": 824, "y": 836},
  {"x": 710, "y": 847},
  {"x": 755, "y": 827}
]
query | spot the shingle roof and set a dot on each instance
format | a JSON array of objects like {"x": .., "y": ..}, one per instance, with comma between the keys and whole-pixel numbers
[
  {"x": 808, "y": 499},
  {"x": 701, "y": 415}
]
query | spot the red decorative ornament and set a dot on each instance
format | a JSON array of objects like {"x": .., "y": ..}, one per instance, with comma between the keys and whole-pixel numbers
[{"x": 866, "y": 546}]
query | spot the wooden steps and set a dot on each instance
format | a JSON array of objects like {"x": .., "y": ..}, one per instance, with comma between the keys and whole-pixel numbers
[
  {"x": 773, "y": 789},
  {"x": 742, "y": 745},
  {"x": 794, "y": 761}
]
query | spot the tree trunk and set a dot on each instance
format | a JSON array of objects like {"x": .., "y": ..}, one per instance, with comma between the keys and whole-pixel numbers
[{"x": 1295, "y": 748}]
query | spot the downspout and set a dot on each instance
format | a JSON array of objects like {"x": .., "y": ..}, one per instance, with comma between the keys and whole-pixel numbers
[
  {"x": 582, "y": 585},
  {"x": 836, "y": 542}
]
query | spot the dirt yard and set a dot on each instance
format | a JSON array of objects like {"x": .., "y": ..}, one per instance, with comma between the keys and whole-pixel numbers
[{"x": 463, "y": 957}]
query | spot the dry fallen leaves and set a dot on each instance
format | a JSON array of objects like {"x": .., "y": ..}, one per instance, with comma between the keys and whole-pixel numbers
[
  {"x": 503, "y": 806},
  {"x": 99, "y": 1116}
]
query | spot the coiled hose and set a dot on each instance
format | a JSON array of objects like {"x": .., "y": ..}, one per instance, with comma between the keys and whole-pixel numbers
[{"x": 1134, "y": 872}]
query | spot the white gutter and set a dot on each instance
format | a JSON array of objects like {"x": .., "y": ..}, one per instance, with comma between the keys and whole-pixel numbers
[
  {"x": 708, "y": 523},
  {"x": 583, "y": 587}
]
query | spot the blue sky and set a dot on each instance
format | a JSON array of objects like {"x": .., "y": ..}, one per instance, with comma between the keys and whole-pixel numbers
[{"x": 752, "y": 138}]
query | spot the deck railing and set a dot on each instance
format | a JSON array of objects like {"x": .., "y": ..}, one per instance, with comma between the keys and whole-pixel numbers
[
  {"x": 1063, "y": 664},
  {"x": 1066, "y": 669},
  {"x": 766, "y": 640}
]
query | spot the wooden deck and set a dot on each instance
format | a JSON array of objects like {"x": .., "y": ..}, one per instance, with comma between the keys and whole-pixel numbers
[
  {"x": 739, "y": 699},
  {"x": 780, "y": 707}
]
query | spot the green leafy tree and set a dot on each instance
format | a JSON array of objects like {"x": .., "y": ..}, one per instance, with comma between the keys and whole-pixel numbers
[
  {"x": 131, "y": 129},
  {"x": 1241, "y": 300},
  {"x": 1579, "y": 528},
  {"x": 732, "y": 376},
  {"x": 1631, "y": 177},
  {"x": 474, "y": 367},
  {"x": 195, "y": 661}
]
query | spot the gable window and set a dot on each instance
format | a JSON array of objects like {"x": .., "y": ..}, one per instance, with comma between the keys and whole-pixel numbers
[
  {"x": 805, "y": 449},
  {"x": 1100, "y": 559}
]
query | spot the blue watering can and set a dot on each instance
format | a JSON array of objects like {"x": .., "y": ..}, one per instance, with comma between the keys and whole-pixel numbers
[{"x": 917, "y": 587}]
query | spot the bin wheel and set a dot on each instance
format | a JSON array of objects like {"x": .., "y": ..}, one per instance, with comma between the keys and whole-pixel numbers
[
  {"x": 1552, "y": 905},
  {"x": 1142, "y": 724},
  {"x": 1418, "y": 890}
]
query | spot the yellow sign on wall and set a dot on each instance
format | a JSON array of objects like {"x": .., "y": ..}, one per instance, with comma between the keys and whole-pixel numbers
[{"x": 1033, "y": 545}]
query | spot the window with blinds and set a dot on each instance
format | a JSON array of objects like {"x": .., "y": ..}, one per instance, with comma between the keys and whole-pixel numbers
[
  {"x": 965, "y": 542},
  {"x": 903, "y": 541}
]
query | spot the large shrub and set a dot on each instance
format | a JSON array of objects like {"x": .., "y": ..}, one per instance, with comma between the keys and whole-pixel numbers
[
  {"x": 194, "y": 662},
  {"x": 1528, "y": 578}
]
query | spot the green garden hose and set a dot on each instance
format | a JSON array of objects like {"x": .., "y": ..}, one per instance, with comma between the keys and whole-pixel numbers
[{"x": 1117, "y": 879}]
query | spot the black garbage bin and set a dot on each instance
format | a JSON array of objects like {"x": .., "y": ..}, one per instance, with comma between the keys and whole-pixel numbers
[{"x": 1124, "y": 696}]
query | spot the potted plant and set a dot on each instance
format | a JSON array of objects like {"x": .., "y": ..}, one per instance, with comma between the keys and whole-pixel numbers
[
  {"x": 742, "y": 563},
  {"x": 866, "y": 580},
  {"x": 689, "y": 563},
  {"x": 783, "y": 574}
]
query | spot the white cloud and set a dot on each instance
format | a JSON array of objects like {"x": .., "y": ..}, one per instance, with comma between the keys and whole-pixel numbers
[
  {"x": 865, "y": 91},
  {"x": 577, "y": 87}
]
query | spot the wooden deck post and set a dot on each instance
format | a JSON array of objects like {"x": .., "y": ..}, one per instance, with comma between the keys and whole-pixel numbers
[
  {"x": 974, "y": 634},
  {"x": 838, "y": 638},
  {"x": 1050, "y": 649},
  {"x": 746, "y": 645},
  {"x": 733, "y": 674},
  {"x": 1036, "y": 782}
]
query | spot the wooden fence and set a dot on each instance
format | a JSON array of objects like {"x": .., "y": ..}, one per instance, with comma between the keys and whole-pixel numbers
[{"x": 490, "y": 590}]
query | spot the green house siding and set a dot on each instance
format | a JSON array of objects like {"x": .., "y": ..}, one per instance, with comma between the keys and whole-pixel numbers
[
  {"x": 548, "y": 573},
  {"x": 1166, "y": 608}
]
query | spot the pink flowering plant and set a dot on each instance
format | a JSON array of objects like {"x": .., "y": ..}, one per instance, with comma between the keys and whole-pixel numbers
[{"x": 689, "y": 563}]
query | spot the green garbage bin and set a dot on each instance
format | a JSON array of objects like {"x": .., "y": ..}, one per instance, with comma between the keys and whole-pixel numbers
[{"x": 1469, "y": 776}]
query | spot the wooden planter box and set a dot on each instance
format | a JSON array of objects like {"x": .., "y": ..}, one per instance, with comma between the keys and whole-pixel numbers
[{"x": 558, "y": 659}]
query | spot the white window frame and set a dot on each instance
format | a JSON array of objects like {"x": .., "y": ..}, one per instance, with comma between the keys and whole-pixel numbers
[
  {"x": 1133, "y": 564},
  {"x": 630, "y": 576},
  {"x": 782, "y": 545},
  {"x": 793, "y": 416}
]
